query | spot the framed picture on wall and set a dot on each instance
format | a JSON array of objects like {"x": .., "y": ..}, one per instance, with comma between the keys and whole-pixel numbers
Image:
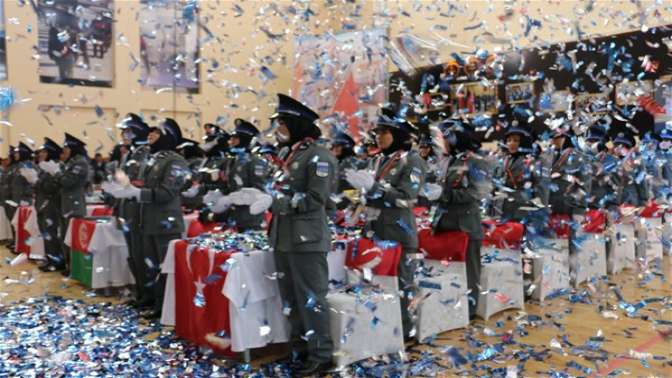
[
  {"x": 75, "y": 42},
  {"x": 663, "y": 94},
  {"x": 3, "y": 44},
  {"x": 592, "y": 102},
  {"x": 473, "y": 98},
  {"x": 556, "y": 101},
  {"x": 519, "y": 93},
  {"x": 627, "y": 93},
  {"x": 168, "y": 45}
]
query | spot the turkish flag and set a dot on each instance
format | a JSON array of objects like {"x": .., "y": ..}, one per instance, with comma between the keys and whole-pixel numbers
[
  {"x": 200, "y": 307},
  {"x": 347, "y": 103},
  {"x": 22, "y": 235},
  {"x": 363, "y": 250}
]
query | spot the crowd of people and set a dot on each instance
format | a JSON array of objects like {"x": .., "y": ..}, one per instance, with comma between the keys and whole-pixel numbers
[{"x": 307, "y": 181}]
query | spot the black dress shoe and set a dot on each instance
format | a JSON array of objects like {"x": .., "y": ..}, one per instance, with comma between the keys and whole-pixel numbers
[
  {"x": 150, "y": 314},
  {"x": 311, "y": 367},
  {"x": 50, "y": 267}
]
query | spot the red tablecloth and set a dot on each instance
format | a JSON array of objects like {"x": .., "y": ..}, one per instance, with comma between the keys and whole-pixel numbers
[
  {"x": 448, "y": 245},
  {"x": 22, "y": 235},
  {"x": 559, "y": 223},
  {"x": 504, "y": 235},
  {"x": 652, "y": 210},
  {"x": 98, "y": 210},
  {"x": 195, "y": 228},
  {"x": 595, "y": 221},
  {"x": 363, "y": 250},
  {"x": 196, "y": 316}
]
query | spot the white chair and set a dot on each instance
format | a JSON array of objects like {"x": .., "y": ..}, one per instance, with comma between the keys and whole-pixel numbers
[
  {"x": 550, "y": 266},
  {"x": 589, "y": 260},
  {"x": 621, "y": 247},
  {"x": 444, "y": 304},
  {"x": 501, "y": 281},
  {"x": 365, "y": 321},
  {"x": 649, "y": 246}
]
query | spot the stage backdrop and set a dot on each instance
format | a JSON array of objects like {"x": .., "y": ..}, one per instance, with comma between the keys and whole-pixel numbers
[{"x": 343, "y": 77}]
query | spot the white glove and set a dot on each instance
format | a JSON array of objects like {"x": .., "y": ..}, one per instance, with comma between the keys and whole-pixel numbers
[
  {"x": 361, "y": 179},
  {"x": 212, "y": 196},
  {"x": 29, "y": 174},
  {"x": 112, "y": 188},
  {"x": 51, "y": 167},
  {"x": 431, "y": 191},
  {"x": 191, "y": 192},
  {"x": 122, "y": 178},
  {"x": 261, "y": 204},
  {"x": 245, "y": 196},
  {"x": 117, "y": 190},
  {"x": 130, "y": 192},
  {"x": 221, "y": 205}
]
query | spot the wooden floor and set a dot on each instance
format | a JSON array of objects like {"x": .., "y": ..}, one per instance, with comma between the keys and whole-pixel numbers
[{"x": 577, "y": 322}]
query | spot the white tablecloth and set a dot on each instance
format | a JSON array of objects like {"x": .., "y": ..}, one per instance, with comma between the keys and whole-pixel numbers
[
  {"x": 5, "y": 225},
  {"x": 110, "y": 255},
  {"x": 188, "y": 218},
  {"x": 255, "y": 305},
  {"x": 168, "y": 268},
  {"x": 36, "y": 241}
]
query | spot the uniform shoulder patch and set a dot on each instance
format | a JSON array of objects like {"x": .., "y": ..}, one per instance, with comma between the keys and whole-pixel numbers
[
  {"x": 322, "y": 169},
  {"x": 416, "y": 175},
  {"x": 259, "y": 169}
]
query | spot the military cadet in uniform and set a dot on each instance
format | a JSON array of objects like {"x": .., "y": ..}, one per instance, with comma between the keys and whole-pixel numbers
[
  {"x": 665, "y": 156},
  {"x": 22, "y": 183},
  {"x": 242, "y": 169},
  {"x": 514, "y": 173},
  {"x": 391, "y": 193},
  {"x": 567, "y": 195},
  {"x": 4, "y": 188},
  {"x": 7, "y": 203},
  {"x": 299, "y": 233},
  {"x": 342, "y": 147},
  {"x": 466, "y": 181},
  {"x": 208, "y": 177},
  {"x": 195, "y": 157},
  {"x": 603, "y": 168},
  {"x": 165, "y": 174},
  {"x": 72, "y": 182},
  {"x": 631, "y": 185},
  {"x": 128, "y": 210},
  {"x": 48, "y": 204}
]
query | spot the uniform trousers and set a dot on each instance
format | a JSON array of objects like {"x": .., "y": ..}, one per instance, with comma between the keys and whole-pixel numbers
[{"x": 303, "y": 279}]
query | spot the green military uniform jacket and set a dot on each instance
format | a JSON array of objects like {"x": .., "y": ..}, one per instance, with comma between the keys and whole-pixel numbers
[
  {"x": 47, "y": 198},
  {"x": 134, "y": 167},
  {"x": 459, "y": 204},
  {"x": 165, "y": 175},
  {"x": 566, "y": 195},
  {"x": 514, "y": 174},
  {"x": 244, "y": 170},
  {"x": 73, "y": 183},
  {"x": 21, "y": 189},
  {"x": 299, "y": 221},
  {"x": 399, "y": 178}
]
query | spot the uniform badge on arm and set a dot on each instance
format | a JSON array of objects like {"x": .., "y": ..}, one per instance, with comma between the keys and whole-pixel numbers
[
  {"x": 259, "y": 170},
  {"x": 416, "y": 175},
  {"x": 322, "y": 169}
]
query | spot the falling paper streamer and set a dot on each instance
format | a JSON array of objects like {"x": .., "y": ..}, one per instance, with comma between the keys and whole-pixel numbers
[{"x": 7, "y": 98}]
